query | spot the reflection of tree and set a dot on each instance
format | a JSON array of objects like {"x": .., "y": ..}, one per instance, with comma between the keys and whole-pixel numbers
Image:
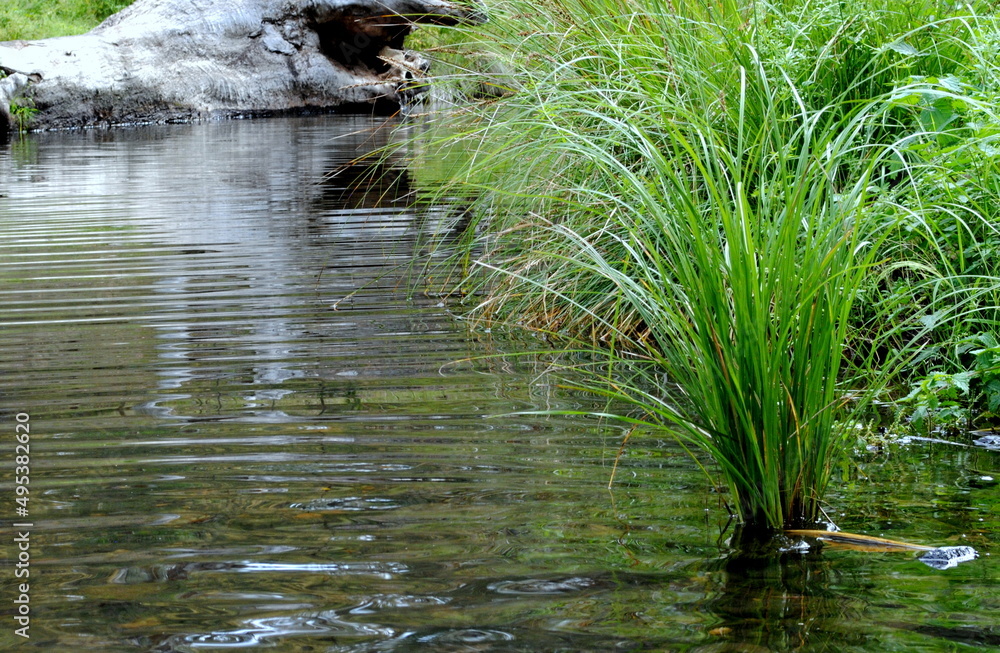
[
  {"x": 375, "y": 188},
  {"x": 370, "y": 181},
  {"x": 289, "y": 258}
]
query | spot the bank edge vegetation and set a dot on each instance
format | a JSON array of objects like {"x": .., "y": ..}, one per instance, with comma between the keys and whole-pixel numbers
[{"x": 757, "y": 218}]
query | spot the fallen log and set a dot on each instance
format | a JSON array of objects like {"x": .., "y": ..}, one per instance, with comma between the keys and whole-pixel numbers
[{"x": 182, "y": 60}]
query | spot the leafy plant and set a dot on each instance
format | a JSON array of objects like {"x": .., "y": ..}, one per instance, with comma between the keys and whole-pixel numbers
[
  {"x": 22, "y": 110},
  {"x": 935, "y": 401},
  {"x": 957, "y": 401}
]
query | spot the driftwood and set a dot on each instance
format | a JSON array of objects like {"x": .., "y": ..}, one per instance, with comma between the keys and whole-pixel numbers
[
  {"x": 941, "y": 557},
  {"x": 180, "y": 60}
]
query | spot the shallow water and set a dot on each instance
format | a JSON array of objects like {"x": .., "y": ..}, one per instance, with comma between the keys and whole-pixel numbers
[{"x": 253, "y": 426}]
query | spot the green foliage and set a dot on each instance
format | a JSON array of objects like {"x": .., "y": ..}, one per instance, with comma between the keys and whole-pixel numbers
[
  {"x": 951, "y": 130},
  {"x": 935, "y": 400},
  {"x": 23, "y": 111},
  {"x": 39, "y": 19},
  {"x": 963, "y": 400},
  {"x": 746, "y": 209}
]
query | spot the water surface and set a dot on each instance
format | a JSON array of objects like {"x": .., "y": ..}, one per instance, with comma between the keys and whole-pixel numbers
[{"x": 255, "y": 425}]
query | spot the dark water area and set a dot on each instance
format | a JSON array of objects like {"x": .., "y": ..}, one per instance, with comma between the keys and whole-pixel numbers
[{"x": 254, "y": 426}]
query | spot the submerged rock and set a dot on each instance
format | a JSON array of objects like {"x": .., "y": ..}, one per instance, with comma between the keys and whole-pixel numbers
[
  {"x": 991, "y": 441},
  {"x": 179, "y": 60},
  {"x": 946, "y": 557}
]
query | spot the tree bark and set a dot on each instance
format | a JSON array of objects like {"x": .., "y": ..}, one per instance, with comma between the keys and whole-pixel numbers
[{"x": 180, "y": 60}]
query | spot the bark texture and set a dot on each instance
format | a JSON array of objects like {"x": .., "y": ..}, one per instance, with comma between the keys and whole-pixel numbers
[{"x": 179, "y": 60}]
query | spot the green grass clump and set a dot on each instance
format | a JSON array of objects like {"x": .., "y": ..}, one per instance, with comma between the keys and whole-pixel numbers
[
  {"x": 736, "y": 273},
  {"x": 41, "y": 19},
  {"x": 702, "y": 192}
]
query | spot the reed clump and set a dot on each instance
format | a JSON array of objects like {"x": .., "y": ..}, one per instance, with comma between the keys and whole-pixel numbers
[{"x": 701, "y": 192}]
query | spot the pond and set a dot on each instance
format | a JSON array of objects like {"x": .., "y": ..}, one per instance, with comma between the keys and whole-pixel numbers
[{"x": 254, "y": 424}]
